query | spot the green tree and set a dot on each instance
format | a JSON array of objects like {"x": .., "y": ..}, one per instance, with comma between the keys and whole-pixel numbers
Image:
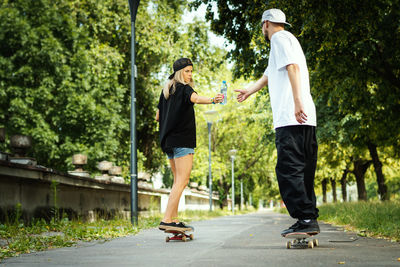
[
  {"x": 65, "y": 80},
  {"x": 352, "y": 54},
  {"x": 247, "y": 127}
]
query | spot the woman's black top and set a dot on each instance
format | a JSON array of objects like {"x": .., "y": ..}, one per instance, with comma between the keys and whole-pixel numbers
[{"x": 177, "y": 123}]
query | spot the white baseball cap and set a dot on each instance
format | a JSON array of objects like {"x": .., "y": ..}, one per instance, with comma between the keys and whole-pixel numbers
[{"x": 274, "y": 15}]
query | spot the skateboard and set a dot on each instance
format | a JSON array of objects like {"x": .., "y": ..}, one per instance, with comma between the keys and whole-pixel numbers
[
  {"x": 300, "y": 240},
  {"x": 178, "y": 235}
]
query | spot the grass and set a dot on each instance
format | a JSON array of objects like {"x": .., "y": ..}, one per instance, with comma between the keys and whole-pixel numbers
[
  {"x": 18, "y": 238},
  {"x": 375, "y": 219},
  {"x": 378, "y": 219}
]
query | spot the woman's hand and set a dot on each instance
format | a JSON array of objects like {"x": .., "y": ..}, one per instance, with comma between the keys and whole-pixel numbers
[{"x": 218, "y": 98}]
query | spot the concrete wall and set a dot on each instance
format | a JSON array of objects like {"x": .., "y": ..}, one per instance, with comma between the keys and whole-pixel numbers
[{"x": 39, "y": 190}]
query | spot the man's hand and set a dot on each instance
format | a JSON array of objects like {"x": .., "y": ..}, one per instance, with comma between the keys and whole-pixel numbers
[
  {"x": 243, "y": 95},
  {"x": 301, "y": 117}
]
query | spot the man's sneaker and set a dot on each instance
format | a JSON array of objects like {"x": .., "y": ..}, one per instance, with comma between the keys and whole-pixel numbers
[
  {"x": 291, "y": 229},
  {"x": 310, "y": 227},
  {"x": 165, "y": 226}
]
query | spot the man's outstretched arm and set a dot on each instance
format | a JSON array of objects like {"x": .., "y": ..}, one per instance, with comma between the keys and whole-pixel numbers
[{"x": 257, "y": 86}]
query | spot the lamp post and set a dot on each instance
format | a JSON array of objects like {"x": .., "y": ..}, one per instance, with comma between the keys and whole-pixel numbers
[
  {"x": 133, "y": 6},
  {"x": 210, "y": 117},
  {"x": 232, "y": 153},
  {"x": 241, "y": 194}
]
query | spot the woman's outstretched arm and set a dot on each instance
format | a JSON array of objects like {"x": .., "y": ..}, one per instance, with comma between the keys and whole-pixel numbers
[{"x": 197, "y": 99}]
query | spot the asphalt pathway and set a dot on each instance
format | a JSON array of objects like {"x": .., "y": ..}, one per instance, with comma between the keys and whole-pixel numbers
[{"x": 243, "y": 240}]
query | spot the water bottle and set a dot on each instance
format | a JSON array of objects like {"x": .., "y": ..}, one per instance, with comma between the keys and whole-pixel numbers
[{"x": 224, "y": 91}]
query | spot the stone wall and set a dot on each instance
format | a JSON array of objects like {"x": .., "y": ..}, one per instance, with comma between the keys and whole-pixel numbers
[{"x": 42, "y": 192}]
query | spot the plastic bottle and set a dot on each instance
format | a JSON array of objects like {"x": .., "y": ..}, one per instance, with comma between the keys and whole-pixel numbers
[{"x": 224, "y": 91}]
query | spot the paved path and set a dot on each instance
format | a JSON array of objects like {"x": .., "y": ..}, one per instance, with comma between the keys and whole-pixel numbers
[{"x": 244, "y": 240}]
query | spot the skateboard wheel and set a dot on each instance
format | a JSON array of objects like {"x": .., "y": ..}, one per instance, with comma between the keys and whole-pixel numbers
[
  {"x": 184, "y": 238},
  {"x": 167, "y": 239},
  {"x": 316, "y": 243},
  {"x": 191, "y": 236},
  {"x": 310, "y": 244},
  {"x": 288, "y": 245}
]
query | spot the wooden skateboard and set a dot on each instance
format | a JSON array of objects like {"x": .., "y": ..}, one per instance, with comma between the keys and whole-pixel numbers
[
  {"x": 300, "y": 241},
  {"x": 178, "y": 235}
]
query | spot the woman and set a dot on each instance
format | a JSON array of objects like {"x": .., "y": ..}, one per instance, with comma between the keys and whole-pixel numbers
[{"x": 177, "y": 126}]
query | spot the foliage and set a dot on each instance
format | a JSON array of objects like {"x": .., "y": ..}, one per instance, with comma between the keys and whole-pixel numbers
[
  {"x": 64, "y": 75},
  {"x": 65, "y": 80},
  {"x": 254, "y": 159},
  {"x": 40, "y": 235},
  {"x": 373, "y": 218},
  {"x": 59, "y": 86},
  {"x": 354, "y": 65},
  {"x": 377, "y": 219}
]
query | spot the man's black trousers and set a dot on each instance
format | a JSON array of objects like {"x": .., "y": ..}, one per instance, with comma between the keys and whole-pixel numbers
[{"x": 297, "y": 160}]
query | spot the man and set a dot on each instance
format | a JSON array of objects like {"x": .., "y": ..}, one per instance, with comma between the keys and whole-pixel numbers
[{"x": 294, "y": 119}]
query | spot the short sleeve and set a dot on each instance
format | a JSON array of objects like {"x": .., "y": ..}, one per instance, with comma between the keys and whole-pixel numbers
[
  {"x": 159, "y": 100},
  {"x": 187, "y": 93},
  {"x": 266, "y": 71},
  {"x": 284, "y": 52}
]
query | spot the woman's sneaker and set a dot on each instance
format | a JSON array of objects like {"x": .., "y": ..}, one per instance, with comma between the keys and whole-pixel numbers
[
  {"x": 166, "y": 226},
  {"x": 184, "y": 227},
  {"x": 173, "y": 226}
]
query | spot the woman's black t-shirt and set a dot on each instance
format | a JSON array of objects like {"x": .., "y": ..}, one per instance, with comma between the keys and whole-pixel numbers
[{"x": 177, "y": 123}]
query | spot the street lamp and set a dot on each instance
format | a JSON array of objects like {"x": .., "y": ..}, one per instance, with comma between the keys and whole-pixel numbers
[
  {"x": 210, "y": 117},
  {"x": 133, "y": 6},
  {"x": 232, "y": 153},
  {"x": 241, "y": 194}
]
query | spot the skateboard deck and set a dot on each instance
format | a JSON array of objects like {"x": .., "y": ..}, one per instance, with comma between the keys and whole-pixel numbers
[
  {"x": 178, "y": 235},
  {"x": 300, "y": 240}
]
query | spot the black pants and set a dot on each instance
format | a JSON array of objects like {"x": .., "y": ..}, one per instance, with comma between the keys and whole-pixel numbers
[{"x": 297, "y": 160}]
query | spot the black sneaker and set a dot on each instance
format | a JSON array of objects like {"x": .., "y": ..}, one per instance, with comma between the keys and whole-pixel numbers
[
  {"x": 164, "y": 226},
  {"x": 291, "y": 229},
  {"x": 301, "y": 226},
  {"x": 184, "y": 227},
  {"x": 311, "y": 227}
]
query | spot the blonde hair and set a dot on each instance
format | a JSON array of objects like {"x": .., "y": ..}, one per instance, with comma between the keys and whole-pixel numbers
[{"x": 169, "y": 87}]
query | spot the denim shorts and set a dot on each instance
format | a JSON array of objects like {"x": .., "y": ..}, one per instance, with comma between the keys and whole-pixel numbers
[{"x": 178, "y": 152}]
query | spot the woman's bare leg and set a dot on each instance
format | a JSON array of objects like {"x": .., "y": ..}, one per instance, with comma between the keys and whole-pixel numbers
[
  {"x": 173, "y": 169},
  {"x": 183, "y": 167}
]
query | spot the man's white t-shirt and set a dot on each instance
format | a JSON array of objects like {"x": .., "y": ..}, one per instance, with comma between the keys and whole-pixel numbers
[{"x": 285, "y": 50}]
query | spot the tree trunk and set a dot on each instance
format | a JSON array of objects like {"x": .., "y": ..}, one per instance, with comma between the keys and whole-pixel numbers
[
  {"x": 380, "y": 178},
  {"x": 343, "y": 183},
  {"x": 324, "y": 182},
  {"x": 360, "y": 167},
  {"x": 334, "y": 195},
  {"x": 223, "y": 196}
]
